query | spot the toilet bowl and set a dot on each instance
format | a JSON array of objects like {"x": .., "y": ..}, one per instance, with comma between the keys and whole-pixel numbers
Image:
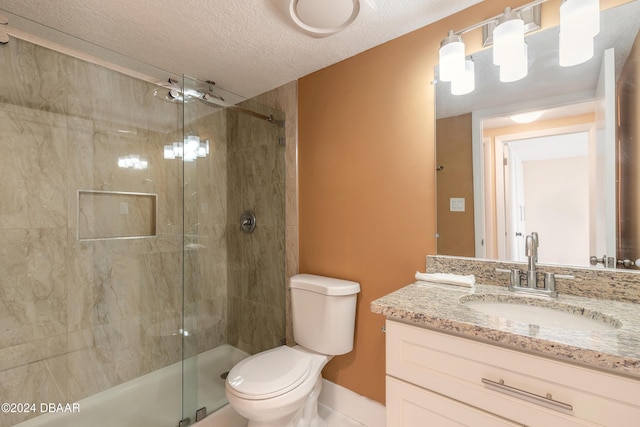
[{"x": 280, "y": 387}]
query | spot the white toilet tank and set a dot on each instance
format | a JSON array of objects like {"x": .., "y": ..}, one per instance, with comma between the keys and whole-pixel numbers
[{"x": 324, "y": 313}]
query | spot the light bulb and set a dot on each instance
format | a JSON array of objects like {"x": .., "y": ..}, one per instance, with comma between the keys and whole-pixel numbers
[
  {"x": 579, "y": 24},
  {"x": 580, "y": 17},
  {"x": 508, "y": 38},
  {"x": 451, "y": 58},
  {"x": 466, "y": 82},
  {"x": 575, "y": 49},
  {"x": 515, "y": 68}
]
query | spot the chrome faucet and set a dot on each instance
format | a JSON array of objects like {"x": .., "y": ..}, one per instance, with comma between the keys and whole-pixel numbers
[
  {"x": 548, "y": 287},
  {"x": 531, "y": 251}
]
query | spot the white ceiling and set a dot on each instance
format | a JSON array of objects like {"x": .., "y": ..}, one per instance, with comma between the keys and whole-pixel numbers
[{"x": 245, "y": 46}]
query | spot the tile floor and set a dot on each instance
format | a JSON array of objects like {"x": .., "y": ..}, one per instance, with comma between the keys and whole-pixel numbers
[{"x": 227, "y": 417}]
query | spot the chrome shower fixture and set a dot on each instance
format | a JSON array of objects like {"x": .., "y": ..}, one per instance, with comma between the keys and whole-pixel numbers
[{"x": 178, "y": 93}]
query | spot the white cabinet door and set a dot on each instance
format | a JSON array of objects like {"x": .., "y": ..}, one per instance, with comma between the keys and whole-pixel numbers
[{"x": 411, "y": 406}]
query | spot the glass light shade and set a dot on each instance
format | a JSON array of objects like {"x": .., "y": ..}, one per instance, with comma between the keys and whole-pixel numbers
[
  {"x": 466, "y": 82},
  {"x": 580, "y": 17},
  {"x": 515, "y": 68},
  {"x": 508, "y": 41},
  {"x": 451, "y": 58},
  {"x": 575, "y": 49}
]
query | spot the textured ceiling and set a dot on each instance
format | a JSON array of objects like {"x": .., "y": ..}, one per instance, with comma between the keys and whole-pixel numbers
[{"x": 245, "y": 46}]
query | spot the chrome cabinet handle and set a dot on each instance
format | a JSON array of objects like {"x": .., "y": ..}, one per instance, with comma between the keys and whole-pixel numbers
[{"x": 545, "y": 401}]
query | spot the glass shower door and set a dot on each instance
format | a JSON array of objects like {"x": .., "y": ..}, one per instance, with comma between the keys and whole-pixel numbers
[{"x": 233, "y": 281}]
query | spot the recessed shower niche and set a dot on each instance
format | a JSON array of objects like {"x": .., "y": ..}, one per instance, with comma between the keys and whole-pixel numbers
[{"x": 116, "y": 215}]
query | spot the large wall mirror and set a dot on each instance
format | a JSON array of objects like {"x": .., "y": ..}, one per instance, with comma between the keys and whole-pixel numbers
[{"x": 569, "y": 172}]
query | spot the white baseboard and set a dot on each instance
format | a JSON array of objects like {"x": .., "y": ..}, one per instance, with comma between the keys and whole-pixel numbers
[{"x": 351, "y": 404}]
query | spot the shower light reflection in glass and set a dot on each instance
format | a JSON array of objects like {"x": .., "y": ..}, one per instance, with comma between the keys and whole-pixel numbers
[{"x": 188, "y": 150}]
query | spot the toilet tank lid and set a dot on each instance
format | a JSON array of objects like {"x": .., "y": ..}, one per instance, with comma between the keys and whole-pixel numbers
[{"x": 324, "y": 285}]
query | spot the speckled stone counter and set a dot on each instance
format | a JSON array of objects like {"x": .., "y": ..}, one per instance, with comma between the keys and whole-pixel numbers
[{"x": 441, "y": 307}]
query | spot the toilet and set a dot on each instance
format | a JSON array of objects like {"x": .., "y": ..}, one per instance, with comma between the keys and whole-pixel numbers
[{"x": 280, "y": 387}]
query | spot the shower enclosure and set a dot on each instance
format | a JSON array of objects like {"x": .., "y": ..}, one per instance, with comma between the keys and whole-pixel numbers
[{"x": 127, "y": 285}]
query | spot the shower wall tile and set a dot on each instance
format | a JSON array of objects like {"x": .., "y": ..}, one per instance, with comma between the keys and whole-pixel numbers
[
  {"x": 33, "y": 173},
  {"x": 34, "y": 77},
  {"x": 32, "y": 351},
  {"x": 165, "y": 341},
  {"x": 107, "y": 355},
  {"x": 212, "y": 323},
  {"x": 41, "y": 381},
  {"x": 116, "y": 98},
  {"x": 256, "y": 282},
  {"x": 33, "y": 285},
  {"x": 79, "y": 317},
  {"x": 86, "y": 316},
  {"x": 206, "y": 212},
  {"x": 256, "y": 327},
  {"x": 285, "y": 98}
]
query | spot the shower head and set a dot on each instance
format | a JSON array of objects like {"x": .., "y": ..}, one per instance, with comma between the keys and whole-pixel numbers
[
  {"x": 178, "y": 94},
  {"x": 213, "y": 100}
]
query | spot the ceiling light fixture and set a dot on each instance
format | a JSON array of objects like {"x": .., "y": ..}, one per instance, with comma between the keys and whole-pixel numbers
[
  {"x": 524, "y": 118},
  {"x": 322, "y": 18}
]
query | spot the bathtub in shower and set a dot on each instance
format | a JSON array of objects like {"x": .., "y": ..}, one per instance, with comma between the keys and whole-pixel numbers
[{"x": 152, "y": 400}]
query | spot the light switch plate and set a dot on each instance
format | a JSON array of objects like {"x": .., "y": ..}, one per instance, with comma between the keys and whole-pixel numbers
[{"x": 456, "y": 204}]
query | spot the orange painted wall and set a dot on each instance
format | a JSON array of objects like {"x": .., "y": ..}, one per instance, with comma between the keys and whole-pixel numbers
[
  {"x": 367, "y": 176},
  {"x": 454, "y": 155}
]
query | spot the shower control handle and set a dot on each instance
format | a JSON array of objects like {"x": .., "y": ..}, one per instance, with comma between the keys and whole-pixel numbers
[{"x": 247, "y": 222}]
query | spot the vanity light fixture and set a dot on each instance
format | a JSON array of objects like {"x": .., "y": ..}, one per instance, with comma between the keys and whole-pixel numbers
[
  {"x": 509, "y": 50},
  {"x": 579, "y": 24}
]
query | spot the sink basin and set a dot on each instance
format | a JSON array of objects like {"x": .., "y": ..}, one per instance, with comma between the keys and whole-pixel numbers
[{"x": 544, "y": 313}]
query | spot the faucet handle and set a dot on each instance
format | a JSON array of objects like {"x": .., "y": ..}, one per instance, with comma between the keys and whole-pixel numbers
[
  {"x": 515, "y": 277},
  {"x": 550, "y": 281}
]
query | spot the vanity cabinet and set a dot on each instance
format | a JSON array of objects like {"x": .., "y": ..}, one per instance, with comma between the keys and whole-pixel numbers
[{"x": 438, "y": 379}]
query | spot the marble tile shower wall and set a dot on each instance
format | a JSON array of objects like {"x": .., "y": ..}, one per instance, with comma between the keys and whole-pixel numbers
[
  {"x": 78, "y": 317},
  {"x": 256, "y": 264}
]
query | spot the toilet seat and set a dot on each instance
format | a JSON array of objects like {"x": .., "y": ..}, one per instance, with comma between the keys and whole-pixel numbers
[{"x": 269, "y": 374}]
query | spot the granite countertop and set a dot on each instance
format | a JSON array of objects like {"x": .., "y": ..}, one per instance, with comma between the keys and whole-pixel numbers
[{"x": 439, "y": 307}]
